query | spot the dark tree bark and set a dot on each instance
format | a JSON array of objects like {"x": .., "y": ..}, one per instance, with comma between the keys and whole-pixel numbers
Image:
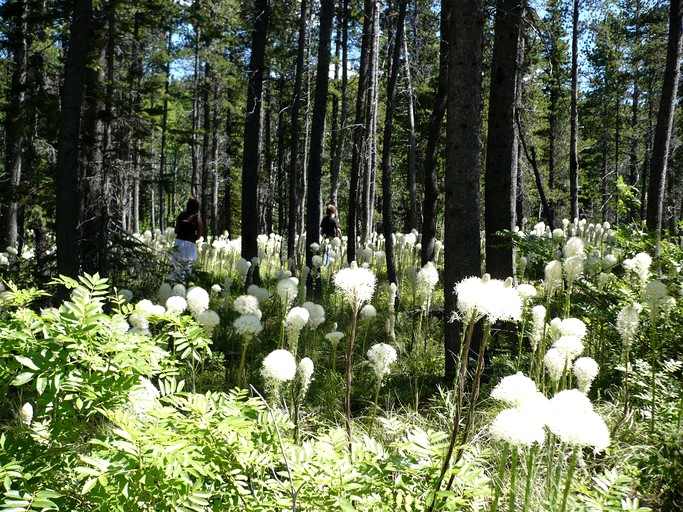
[
  {"x": 281, "y": 172},
  {"x": 164, "y": 130},
  {"x": 574, "y": 121},
  {"x": 252, "y": 132},
  {"x": 360, "y": 150},
  {"x": 501, "y": 153},
  {"x": 665, "y": 116},
  {"x": 343, "y": 29},
  {"x": 431, "y": 183},
  {"x": 412, "y": 215},
  {"x": 294, "y": 161},
  {"x": 215, "y": 122},
  {"x": 463, "y": 146},
  {"x": 15, "y": 127},
  {"x": 315, "y": 163},
  {"x": 227, "y": 173},
  {"x": 69, "y": 134},
  {"x": 205, "y": 186},
  {"x": 387, "y": 218}
]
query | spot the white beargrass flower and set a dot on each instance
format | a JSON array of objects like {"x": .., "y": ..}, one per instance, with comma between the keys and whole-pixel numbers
[
  {"x": 491, "y": 298},
  {"x": 316, "y": 314},
  {"x": 573, "y": 268},
  {"x": 26, "y": 414},
  {"x": 553, "y": 277},
  {"x": 165, "y": 291},
  {"x": 179, "y": 290},
  {"x": 426, "y": 280},
  {"x": 138, "y": 320},
  {"x": 628, "y": 320},
  {"x": 381, "y": 356},
  {"x": 317, "y": 261},
  {"x": 334, "y": 337},
  {"x": 641, "y": 266},
  {"x": 262, "y": 294},
  {"x": 572, "y": 327},
  {"x": 216, "y": 288},
  {"x": 246, "y": 305},
  {"x": 514, "y": 390},
  {"x": 558, "y": 234},
  {"x": 517, "y": 427},
  {"x": 393, "y": 290},
  {"x": 296, "y": 319},
  {"x": 305, "y": 373},
  {"x": 556, "y": 364},
  {"x": 572, "y": 419},
  {"x": 278, "y": 367},
  {"x": 367, "y": 312},
  {"x": 287, "y": 289},
  {"x": 654, "y": 294},
  {"x": 176, "y": 304},
  {"x": 356, "y": 284},
  {"x": 197, "y": 300},
  {"x": 242, "y": 266},
  {"x": 570, "y": 346},
  {"x": 585, "y": 370},
  {"x": 209, "y": 319},
  {"x": 538, "y": 325},
  {"x": 247, "y": 325},
  {"x": 573, "y": 247},
  {"x": 668, "y": 303},
  {"x": 145, "y": 306},
  {"x": 526, "y": 292}
]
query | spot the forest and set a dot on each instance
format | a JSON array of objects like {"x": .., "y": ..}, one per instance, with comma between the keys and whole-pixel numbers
[{"x": 491, "y": 323}]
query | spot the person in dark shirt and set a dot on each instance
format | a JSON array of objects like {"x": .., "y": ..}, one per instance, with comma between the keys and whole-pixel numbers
[
  {"x": 188, "y": 229},
  {"x": 329, "y": 226}
]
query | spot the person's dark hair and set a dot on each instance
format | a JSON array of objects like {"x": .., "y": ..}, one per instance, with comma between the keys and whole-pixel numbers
[
  {"x": 192, "y": 206},
  {"x": 331, "y": 210}
]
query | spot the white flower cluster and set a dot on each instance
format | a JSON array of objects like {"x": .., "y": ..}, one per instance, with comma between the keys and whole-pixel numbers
[
  {"x": 277, "y": 368},
  {"x": 197, "y": 300},
  {"x": 491, "y": 298},
  {"x": 247, "y": 325},
  {"x": 262, "y": 294},
  {"x": 640, "y": 266},
  {"x": 335, "y": 336},
  {"x": 425, "y": 281},
  {"x": 357, "y": 285},
  {"x": 628, "y": 321},
  {"x": 585, "y": 370},
  {"x": 305, "y": 373},
  {"x": 143, "y": 397},
  {"x": 176, "y": 304},
  {"x": 368, "y": 312},
  {"x": 538, "y": 325},
  {"x": 316, "y": 314},
  {"x": 553, "y": 277},
  {"x": 247, "y": 305},
  {"x": 287, "y": 289},
  {"x": 569, "y": 415},
  {"x": 381, "y": 357},
  {"x": 208, "y": 319}
]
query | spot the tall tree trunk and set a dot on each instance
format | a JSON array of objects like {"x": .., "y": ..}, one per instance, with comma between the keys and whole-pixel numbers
[
  {"x": 463, "y": 146},
  {"x": 252, "y": 131},
  {"x": 412, "y": 214},
  {"x": 206, "y": 151},
  {"x": 502, "y": 143},
  {"x": 294, "y": 160},
  {"x": 360, "y": 150},
  {"x": 15, "y": 127},
  {"x": 215, "y": 121},
  {"x": 315, "y": 164},
  {"x": 227, "y": 173},
  {"x": 194, "y": 139},
  {"x": 164, "y": 130},
  {"x": 431, "y": 183},
  {"x": 281, "y": 172},
  {"x": 371, "y": 133},
  {"x": 574, "y": 121},
  {"x": 387, "y": 218},
  {"x": 66, "y": 225},
  {"x": 665, "y": 118},
  {"x": 343, "y": 28}
]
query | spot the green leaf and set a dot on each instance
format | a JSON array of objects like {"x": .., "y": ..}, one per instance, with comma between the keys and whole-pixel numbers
[
  {"x": 28, "y": 362},
  {"x": 346, "y": 505},
  {"x": 89, "y": 484},
  {"x": 22, "y": 378},
  {"x": 41, "y": 384}
]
